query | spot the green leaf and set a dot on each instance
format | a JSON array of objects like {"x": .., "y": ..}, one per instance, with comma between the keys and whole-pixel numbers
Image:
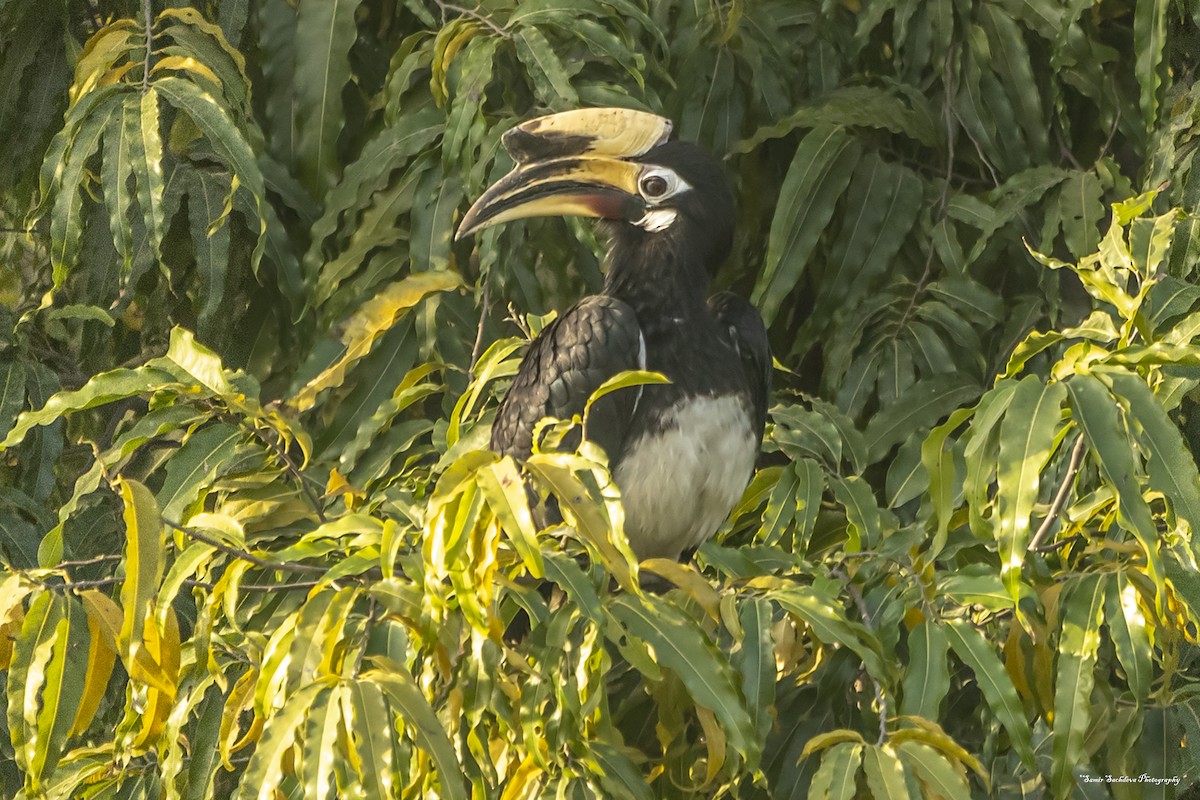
[
  {"x": 504, "y": 490},
  {"x": 148, "y": 165},
  {"x": 85, "y": 484},
  {"x": 406, "y": 699},
  {"x": 45, "y": 691},
  {"x": 818, "y": 175},
  {"x": 809, "y": 489},
  {"x": 1096, "y": 411},
  {"x": 938, "y": 461},
  {"x": 227, "y": 140},
  {"x": 830, "y": 625},
  {"x": 145, "y": 545},
  {"x": 801, "y": 433},
  {"x": 433, "y": 223},
  {"x": 885, "y": 774},
  {"x": 978, "y": 585},
  {"x": 993, "y": 681},
  {"x": 916, "y": 409},
  {"x": 1027, "y": 440},
  {"x": 66, "y": 217},
  {"x": 1081, "y": 209},
  {"x": 884, "y": 200},
  {"x": 781, "y": 506},
  {"x": 325, "y": 31},
  {"x": 1171, "y": 466},
  {"x": 115, "y": 171},
  {"x": 12, "y": 396},
  {"x": 1149, "y": 40},
  {"x": 617, "y": 772},
  {"x": 1078, "y": 646},
  {"x": 1010, "y": 56},
  {"x": 373, "y": 737},
  {"x": 981, "y": 452},
  {"x": 754, "y": 661},
  {"x": 101, "y": 389},
  {"x": 265, "y": 771},
  {"x": 862, "y": 106},
  {"x": 837, "y": 777},
  {"x": 194, "y": 466},
  {"x": 211, "y": 235},
  {"x": 567, "y": 574},
  {"x": 1127, "y": 629},
  {"x": 550, "y": 79},
  {"x": 623, "y": 380},
  {"x": 937, "y": 774},
  {"x": 862, "y": 512},
  {"x": 680, "y": 645},
  {"x": 198, "y": 362},
  {"x": 927, "y": 674}
]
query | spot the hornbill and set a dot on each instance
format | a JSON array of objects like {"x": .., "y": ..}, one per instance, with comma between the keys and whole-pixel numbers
[{"x": 681, "y": 452}]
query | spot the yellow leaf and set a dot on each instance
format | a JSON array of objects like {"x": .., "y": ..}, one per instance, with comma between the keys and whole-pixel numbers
[
  {"x": 144, "y": 545},
  {"x": 687, "y": 578},
  {"x": 823, "y": 740},
  {"x": 162, "y": 649},
  {"x": 102, "y": 655},
  {"x": 525, "y": 781},
  {"x": 239, "y": 699},
  {"x": 185, "y": 64},
  {"x": 714, "y": 739},
  {"x": 374, "y": 318}
]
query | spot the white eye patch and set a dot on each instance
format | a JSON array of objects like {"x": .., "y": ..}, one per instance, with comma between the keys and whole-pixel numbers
[{"x": 657, "y": 184}]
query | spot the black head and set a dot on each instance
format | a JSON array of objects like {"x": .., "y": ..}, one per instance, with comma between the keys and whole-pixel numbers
[{"x": 686, "y": 203}]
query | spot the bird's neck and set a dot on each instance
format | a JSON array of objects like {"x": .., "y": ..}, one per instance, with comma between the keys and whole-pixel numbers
[{"x": 657, "y": 276}]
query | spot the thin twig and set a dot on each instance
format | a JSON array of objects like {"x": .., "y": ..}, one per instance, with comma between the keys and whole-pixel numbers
[
  {"x": 242, "y": 555},
  {"x": 1061, "y": 497},
  {"x": 293, "y": 470},
  {"x": 474, "y": 14},
  {"x": 861, "y": 605},
  {"x": 16, "y": 230},
  {"x": 84, "y": 562},
  {"x": 148, "y": 14},
  {"x": 254, "y": 587},
  {"x": 477, "y": 349},
  {"x": 1061, "y": 543},
  {"x": 943, "y": 199}
]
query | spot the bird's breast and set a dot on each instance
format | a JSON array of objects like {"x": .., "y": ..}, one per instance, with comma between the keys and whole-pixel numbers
[{"x": 684, "y": 471}]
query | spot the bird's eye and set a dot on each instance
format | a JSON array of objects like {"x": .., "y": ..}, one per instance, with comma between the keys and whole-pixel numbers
[{"x": 654, "y": 186}]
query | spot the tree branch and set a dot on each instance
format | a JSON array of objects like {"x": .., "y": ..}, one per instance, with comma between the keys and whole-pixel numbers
[
  {"x": 1060, "y": 498},
  {"x": 243, "y": 555},
  {"x": 292, "y": 469},
  {"x": 861, "y": 605},
  {"x": 477, "y": 349},
  {"x": 474, "y": 14}
]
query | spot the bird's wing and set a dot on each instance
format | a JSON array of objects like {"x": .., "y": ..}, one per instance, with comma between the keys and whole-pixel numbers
[
  {"x": 590, "y": 343},
  {"x": 742, "y": 323}
]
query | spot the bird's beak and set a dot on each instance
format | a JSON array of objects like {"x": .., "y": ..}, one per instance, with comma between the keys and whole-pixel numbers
[{"x": 571, "y": 164}]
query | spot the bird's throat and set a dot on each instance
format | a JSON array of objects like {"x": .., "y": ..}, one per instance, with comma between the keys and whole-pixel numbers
[{"x": 657, "y": 275}]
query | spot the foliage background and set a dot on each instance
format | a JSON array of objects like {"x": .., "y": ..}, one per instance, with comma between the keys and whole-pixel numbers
[{"x": 245, "y": 376}]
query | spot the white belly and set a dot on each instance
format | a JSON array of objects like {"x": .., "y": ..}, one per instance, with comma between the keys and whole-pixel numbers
[{"x": 679, "y": 484}]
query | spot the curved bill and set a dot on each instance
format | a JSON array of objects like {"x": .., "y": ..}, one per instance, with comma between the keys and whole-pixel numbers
[
  {"x": 561, "y": 187},
  {"x": 574, "y": 163}
]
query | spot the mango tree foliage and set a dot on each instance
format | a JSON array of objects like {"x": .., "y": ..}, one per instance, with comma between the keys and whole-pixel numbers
[{"x": 254, "y": 545}]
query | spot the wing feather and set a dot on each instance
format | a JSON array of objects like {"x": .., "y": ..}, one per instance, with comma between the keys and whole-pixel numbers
[
  {"x": 591, "y": 342},
  {"x": 748, "y": 335}
]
